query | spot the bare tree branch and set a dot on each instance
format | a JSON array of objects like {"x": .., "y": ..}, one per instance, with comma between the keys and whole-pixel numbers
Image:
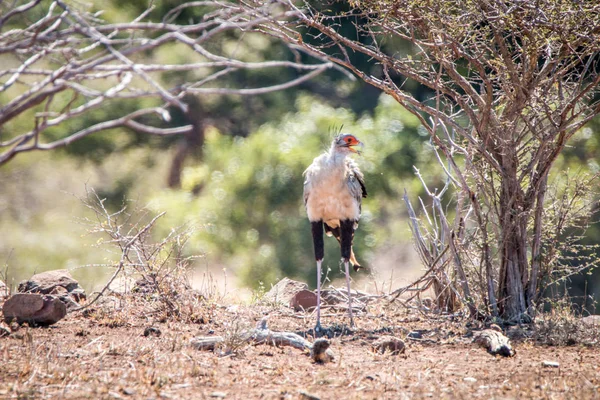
[{"x": 69, "y": 53}]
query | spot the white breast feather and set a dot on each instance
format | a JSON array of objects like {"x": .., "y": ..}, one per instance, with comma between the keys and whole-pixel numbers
[{"x": 327, "y": 194}]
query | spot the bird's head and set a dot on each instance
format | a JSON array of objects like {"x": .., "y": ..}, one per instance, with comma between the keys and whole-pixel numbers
[{"x": 346, "y": 143}]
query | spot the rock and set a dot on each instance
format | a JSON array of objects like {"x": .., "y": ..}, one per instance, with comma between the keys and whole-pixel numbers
[
  {"x": 303, "y": 300},
  {"x": 590, "y": 320},
  {"x": 68, "y": 301},
  {"x": 152, "y": 331},
  {"x": 319, "y": 352},
  {"x": 389, "y": 343},
  {"x": 415, "y": 335},
  {"x": 284, "y": 290},
  {"x": 494, "y": 341},
  {"x": 35, "y": 309},
  {"x": 58, "y": 282},
  {"x": 128, "y": 391}
]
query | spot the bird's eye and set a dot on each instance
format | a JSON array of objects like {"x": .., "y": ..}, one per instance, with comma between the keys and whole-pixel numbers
[{"x": 348, "y": 140}]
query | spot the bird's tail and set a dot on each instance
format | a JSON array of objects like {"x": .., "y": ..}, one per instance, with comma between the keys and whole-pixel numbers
[
  {"x": 335, "y": 232},
  {"x": 355, "y": 263}
]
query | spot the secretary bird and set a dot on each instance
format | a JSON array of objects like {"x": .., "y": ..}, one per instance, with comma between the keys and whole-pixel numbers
[{"x": 333, "y": 192}]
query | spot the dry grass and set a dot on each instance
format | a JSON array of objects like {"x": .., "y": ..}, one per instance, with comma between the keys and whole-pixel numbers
[
  {"x": 561, "y": 327},
  {"x": 103, "y": 353}
]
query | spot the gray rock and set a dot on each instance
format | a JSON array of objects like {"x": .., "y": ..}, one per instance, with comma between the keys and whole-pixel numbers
[
  {"x": 35, "y": 309},
  {"x": 68, "y": 301},
  {"x": 284, "y": 290},
  {"x": 58, "y": 281},
  {"x": 415, "y": 335},
  {"x": 152, "y": 331}
]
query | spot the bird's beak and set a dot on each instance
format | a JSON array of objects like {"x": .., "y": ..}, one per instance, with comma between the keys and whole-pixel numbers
[{"x": 352, "y": 148}]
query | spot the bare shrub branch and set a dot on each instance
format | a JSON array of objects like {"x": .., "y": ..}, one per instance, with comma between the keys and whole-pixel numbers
[{"x": 511, "y": 84}]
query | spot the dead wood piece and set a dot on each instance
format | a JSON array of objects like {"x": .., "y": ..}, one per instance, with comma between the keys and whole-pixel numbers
[
  {"x": 206, "y": 342},
  {"x": 260, "y": 335},
  {"x": 552, "y": 364},
  {"x": 389, "y": 343},
  {"x": 494, "y": 342}
]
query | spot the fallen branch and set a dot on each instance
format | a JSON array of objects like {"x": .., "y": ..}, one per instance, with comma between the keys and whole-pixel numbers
[{"x": 263, "y": 335}]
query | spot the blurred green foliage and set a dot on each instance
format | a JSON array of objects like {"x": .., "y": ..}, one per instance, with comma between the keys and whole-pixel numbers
[{"x": 250, "y": 207}]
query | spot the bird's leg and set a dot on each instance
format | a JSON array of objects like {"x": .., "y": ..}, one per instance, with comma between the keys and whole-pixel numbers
[
  {"x": 347, "y": 232},
  {"x": 317, "y": 233},
  {"x": 347, "y": 266},
  {"x": 318, "y": 326}
]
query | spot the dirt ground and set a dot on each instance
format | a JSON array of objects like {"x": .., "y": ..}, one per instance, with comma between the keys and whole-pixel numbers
[{"x": 104, "y": 354}]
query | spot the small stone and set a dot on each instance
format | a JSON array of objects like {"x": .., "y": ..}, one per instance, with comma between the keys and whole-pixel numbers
[
  {"x": 152, "y": 331},
  {"x": 470, "y": 379},
  {"x": 303, "y": 300},
  {"x": 35, "y": 309},
  {"x": 389, "y": 343},
  {"x": 551, "y": 364},
  {"x": 284, "y": 290},
  {"x": 415, "y": 335},
  {"x": 220, "y": 395},
  {"x": 128, "y": 391}
]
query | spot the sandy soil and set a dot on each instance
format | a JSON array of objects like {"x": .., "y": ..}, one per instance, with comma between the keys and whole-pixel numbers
[{"x": 104, "y": 354}]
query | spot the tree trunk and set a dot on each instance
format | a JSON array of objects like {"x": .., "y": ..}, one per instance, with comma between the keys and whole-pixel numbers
[
  {"x": 536, "y": 248},
  {"x": 513, "y": 246},
  {"x": 190, "y": 143}
]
